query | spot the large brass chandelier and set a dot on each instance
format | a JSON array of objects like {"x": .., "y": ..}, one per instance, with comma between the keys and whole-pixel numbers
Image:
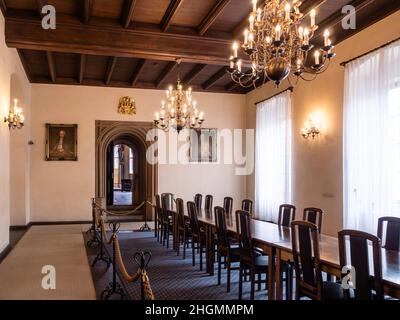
[
  {"x": 277, "y": 43},
  {"x": 179, "y": 110}
]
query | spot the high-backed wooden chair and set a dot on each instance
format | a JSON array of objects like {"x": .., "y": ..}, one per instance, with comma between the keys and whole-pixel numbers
[
  {"x": 159, "y": 218},
  {"x": 313, "y": 215},
  {"x": 169, "y": 200},
  {"x": 305, "y": 248},
  {"x": 224, "y": 246},
  {"x": 228, "y": 205},
  {"x": 389, "y": 233},
  {"x": 198, "y": 234},
  {"x": 198, "y": 200},
  {"x": 287, "y": 214},
  {"x": 208, "y": 204},
  {"x": 183, "y": 226},
  {"x": 247, "y": 205},
  {"x": 167, "y": 207},
  {"x": 354, "y": 251},
  {"x": 257, "y": 264}
]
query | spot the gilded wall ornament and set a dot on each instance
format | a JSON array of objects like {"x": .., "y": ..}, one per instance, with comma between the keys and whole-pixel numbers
[{"x": 127, "y": 106}]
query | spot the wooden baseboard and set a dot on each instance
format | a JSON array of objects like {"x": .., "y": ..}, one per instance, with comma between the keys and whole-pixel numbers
[
  {"x": 56, "y": 223},
  {"x": 20, "y": 228},
  {"x": 5, "y": 252}
]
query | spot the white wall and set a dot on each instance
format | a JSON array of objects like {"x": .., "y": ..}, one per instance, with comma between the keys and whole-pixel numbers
[
  {"x": 13, "y": 84},
  {"x": 61, "y": 191}
]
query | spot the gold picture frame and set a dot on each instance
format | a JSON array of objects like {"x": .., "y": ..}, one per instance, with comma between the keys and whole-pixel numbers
[{"x": 61, "y": 142}]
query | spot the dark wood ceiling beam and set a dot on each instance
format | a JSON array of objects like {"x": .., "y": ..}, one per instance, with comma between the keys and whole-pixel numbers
[
  {"x": 214, "y": 13},
  {"x": 52, "y": 66},
  {"x": 137, "y": 72},
  {"x": 307, "y": 6},
  {"x": 194, "y": 73},
  {"x": 40, "y": 5},
  {"x": 169, "y": 14},
  {"x": 112, "y": 61},
  {"x": 87, "y": 9},
  {"x": 211, "y": 81},
  {"x": 231, "y": 86},
  {"x": 82, "y": 68},
  {"x": 164, "y": 74},
  {"x": 127, "y": 13},
  {"x": 25, "y": 65},
  {"x": 101, "y": 39},
  {"x": 3, "y": 7}
]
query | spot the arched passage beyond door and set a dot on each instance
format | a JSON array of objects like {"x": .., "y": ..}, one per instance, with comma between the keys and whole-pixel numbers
[{"x": 132, "y": 135}]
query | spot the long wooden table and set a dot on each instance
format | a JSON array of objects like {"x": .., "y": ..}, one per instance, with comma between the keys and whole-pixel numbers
[{"x": 276, "y": 241}]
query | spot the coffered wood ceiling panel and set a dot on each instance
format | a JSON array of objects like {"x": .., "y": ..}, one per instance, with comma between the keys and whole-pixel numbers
[{"x": 135, "y": 43}]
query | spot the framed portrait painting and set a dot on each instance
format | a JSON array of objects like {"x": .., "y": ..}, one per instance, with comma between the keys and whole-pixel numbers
[
  {"x": 203, "y": 145},
  {"x": 61, "y": 142}
]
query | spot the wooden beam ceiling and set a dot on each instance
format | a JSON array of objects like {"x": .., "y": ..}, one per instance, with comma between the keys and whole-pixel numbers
[
  {"x": 194, "y": 73},
  {"x": 230, "y": 86},
  {"x": 82, "y": 68},
  {"x": 112, "y": 61},
  {"x": 211, "y": 81},
  {"x": 52, "y": 66},
  {"x": 212, "y": 16},
  {"x": 25, "y": 33},
  {"x": 138, "y": 70},
  {"x": 40, "y": 5},
  {"x": 167, "y": 70},
  {"x": 87, "y": 9},
  {"x": 127, "y": 13},
  {"x": 169, "y": 14},
  {"x": 3, "y": 7},
  {"x": 25, "y": 65}
]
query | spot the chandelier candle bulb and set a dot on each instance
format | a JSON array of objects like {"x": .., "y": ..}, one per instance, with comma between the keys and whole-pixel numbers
[
  {"x": 316, "y": 55},
  {"x": 278, "y": 33},
  {"x": 251, "y": 20},
  {"x": 235, "y": 49},
  {"x": 232, "y": 64},
  {"x": 306, "y": 37},
  {"x": 259, "y": 11},
  {"x": 287, "y": 11},
  {"x": 251, "y": 40},
  {"x": 246, "y": 37},
  {"x": 239, "y": 65},
  {"x": 254, "y": 5},
  {"x": 326, "y": 38},
  {"x": 312, "y": 17}
]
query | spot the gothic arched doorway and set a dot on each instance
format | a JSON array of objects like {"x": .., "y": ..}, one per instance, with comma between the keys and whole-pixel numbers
[{"x": 124, "y": 141}]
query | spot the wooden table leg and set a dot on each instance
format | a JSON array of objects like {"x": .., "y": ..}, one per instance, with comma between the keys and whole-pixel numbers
[
  {"x": 271, "y": 278},
  {"x": 278, "y": 275}
]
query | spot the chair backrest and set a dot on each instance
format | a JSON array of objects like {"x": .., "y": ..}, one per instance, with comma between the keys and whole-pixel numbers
[
  {"x": 245, "y": 240},
  {"x": 208, "y": 204},
  {"x": 220, "y": 224},
  {"x": 166, "y": 206},
  {"x": 180, "y": 211},
  {"x": 228, "y": 205},
  {"x": 391, "y": 226},
  {"x": 313, "y": 215},
  {"x": 198, "y": 200},
  {"x": 158, "y": 207},
  {"x": 354, "y": 251},
  {"x": 305, "y": 247},
  {"x": 169, "y": 200},
  {"x": 287, "y": 213},
  {"x": 194, "y": 219},
  {"x": 247, "y": 205}
]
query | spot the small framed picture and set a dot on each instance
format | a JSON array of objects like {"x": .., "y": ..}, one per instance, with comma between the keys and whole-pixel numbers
[
  {"x": 203, "y": 145},
  {"x": 61, "y": 142}
]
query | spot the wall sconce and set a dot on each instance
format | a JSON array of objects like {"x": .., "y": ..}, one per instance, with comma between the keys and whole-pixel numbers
[
  {"x": 15, "y": 119},
  {"x": 310, "y": 129}
]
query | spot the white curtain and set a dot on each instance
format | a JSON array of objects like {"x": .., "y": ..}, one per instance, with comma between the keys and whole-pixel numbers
[
  {"x": 273, "y": 156},
  {"x": 372, "y": 139}
]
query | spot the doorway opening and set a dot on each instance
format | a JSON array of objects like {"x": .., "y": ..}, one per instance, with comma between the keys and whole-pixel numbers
[{"x": 124, "y": 178}]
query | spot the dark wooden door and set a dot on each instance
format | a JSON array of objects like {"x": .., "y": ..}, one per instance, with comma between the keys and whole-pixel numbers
[{"x": 110, "y": 174}]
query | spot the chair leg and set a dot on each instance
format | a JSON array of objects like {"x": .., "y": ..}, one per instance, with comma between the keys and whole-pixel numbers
[
  {"x": 179, "y": 243},
  {"x": 193, "y": 253},
  {"x": 219, "y": 268},
  {"x": 201, "y": 255},
  {"x": 259, "y": 282},
  {"x": 184, "y": 245},
  {"x": 253, "y": 280},
  {"x": 228, "y": 276},
  {"x": 240, "y": 281},
  {"x": 289, "y": 282},
  {"x": 168, "y": 237}
]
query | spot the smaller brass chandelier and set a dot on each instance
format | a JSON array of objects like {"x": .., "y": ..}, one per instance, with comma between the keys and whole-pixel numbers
[
  {"x": 179, "y": 110},
  {"x": 15, "y": 118},
  {"x": 310, "y": 129}
]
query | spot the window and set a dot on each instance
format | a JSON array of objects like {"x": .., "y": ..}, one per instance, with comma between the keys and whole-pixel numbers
[
  {"x": 130, "y": 161},
  {"x": 273, "y": 156},
  {"x": 372, "y": 139}
]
